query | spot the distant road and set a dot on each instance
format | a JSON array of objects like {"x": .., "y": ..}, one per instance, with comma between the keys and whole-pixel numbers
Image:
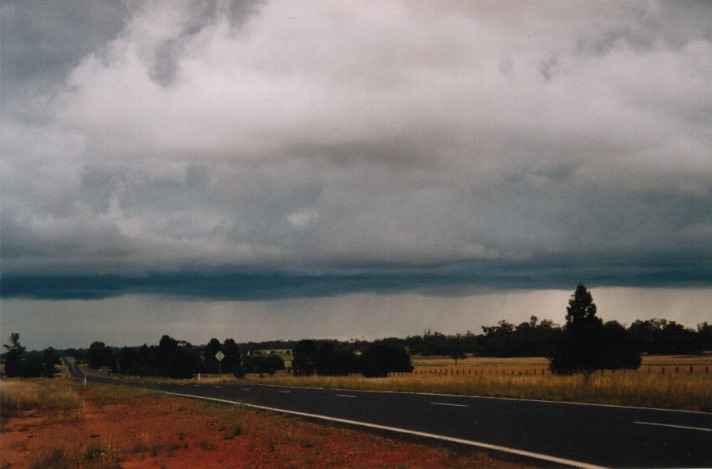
[
  {"x": 73, "y": 369},
  {"x": 553, "y": 433}
]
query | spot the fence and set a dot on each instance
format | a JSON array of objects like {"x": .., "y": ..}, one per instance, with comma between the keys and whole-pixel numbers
[{"x": 543, "y": 370}]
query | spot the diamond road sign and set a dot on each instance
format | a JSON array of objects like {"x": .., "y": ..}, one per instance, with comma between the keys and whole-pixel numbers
[{"x": 219, "y": 356}]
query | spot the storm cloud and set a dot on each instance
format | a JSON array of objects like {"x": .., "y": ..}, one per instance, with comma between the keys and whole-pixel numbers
[{"x": 254, "y": 151}]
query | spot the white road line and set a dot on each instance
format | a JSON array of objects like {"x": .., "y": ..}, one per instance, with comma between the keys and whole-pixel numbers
[
  {"x": 682, "y": 427},
  {"x": 449, "y": 404},
  {"x": 285, "y": 392},
  {"x": 504, "y": 449},
  {"x": 246, "y": 389},
  {"x": 344, "y": 395}
]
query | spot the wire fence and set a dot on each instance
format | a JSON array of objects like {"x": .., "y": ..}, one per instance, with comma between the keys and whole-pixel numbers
[{"x": 544, "y": 370}]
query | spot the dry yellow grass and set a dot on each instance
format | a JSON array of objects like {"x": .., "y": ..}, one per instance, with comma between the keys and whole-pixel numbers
[
  {"x": 55, "y": 395},
  {"x": 671, "y": 391}
]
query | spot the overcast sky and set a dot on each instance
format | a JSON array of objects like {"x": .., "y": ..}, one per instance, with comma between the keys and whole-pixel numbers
[{"x": 282, "y": 169}]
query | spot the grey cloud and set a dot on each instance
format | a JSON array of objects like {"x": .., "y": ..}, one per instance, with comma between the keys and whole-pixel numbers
[{"x": 415, "y": 138}]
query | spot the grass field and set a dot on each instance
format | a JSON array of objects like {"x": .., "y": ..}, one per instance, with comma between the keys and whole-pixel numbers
[{"x": 528, "y": 378}]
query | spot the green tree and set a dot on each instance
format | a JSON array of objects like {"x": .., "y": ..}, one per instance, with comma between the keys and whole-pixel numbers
[{"x": 13, "y": 365}]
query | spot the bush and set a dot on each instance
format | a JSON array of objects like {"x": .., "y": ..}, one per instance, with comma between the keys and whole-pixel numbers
[{"x": 383, "y": 358}]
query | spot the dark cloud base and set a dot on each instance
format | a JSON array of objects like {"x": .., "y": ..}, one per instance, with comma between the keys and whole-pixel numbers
[{"x": 248, "y": 286}]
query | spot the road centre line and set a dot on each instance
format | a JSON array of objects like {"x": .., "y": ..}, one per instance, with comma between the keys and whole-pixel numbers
[
  {"x": 504, "y": 449},
  {"x": 344, "y": 395},
  {"x": 682, "y": 427},
  {"x": 449, "y": 404},
  {"x": 285, "y": 392}
]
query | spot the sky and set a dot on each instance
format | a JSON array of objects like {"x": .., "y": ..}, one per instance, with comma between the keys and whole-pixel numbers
[{"x": 284, "y": 170}]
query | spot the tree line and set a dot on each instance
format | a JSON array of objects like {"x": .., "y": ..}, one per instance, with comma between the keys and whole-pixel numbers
[
  {"x": 18, "y": 362},
  {"x": 180, "y": 359},
  {"x": 585, "y": 343}
]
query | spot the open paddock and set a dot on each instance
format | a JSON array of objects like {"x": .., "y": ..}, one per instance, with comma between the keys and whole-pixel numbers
[{"x": 537, "y": 366}]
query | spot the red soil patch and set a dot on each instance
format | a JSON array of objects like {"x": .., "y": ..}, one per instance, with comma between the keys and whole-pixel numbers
[{"x": 150, "y": 431}]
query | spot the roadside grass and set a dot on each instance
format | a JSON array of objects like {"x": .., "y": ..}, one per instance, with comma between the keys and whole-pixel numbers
[
  {"x": 107, "y": 394},
  {"x": 54, "y": 395},
  {"x": 671, "y": 391}
]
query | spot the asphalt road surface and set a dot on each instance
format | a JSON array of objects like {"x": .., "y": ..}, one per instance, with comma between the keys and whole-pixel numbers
[{"x": 551, "y": 433}]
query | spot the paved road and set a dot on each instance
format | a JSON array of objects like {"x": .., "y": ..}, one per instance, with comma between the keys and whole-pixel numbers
[{"x": 556, "y": 433}]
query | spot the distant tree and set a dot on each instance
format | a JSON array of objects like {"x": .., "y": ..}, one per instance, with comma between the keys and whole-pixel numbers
[
  {"x": 49, "y": 361},
  {"x": 210, "y": 363},
  {"x": 99, "y": 355},
  {"x": 586, "y": 345},
  {"x": 383, "y": 358},
  {"x": 13, "y": 356},
  {"x": 128, "y": 356},
  {"x": 333, "y": 361},
  {"x": 704, "y": 337},
  {"x": 497, "y": 340},
  {"x": 456, "y": 351},
  {"x": 325, "y": 363},
  {"x": 616, "y": 348},
  {"x": 346, "y": 362},
  {"x": 232, "y": 363},
  {"x": 271, "y": 363},
  {"x": 176, "y": 359},
  {"x": 304, "y": 358},
  {"x": 663, "y": 337},
  {"x": 259, "y": 363}
]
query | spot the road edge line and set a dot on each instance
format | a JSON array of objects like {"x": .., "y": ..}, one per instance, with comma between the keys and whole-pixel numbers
[{"x": 478, "y": 444}]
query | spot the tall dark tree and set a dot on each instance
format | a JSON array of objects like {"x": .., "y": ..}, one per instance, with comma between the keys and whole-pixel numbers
[
  {"x": 232, "y": 363},
  {"x": 586, "y": 345},
  {"x": 13, "y": 356}
]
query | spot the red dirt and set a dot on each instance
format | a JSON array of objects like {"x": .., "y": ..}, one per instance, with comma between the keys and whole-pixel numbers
[{"x": 150, "y": 431}]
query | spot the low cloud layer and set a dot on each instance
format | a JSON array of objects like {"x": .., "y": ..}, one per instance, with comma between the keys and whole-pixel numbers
[{"x": 242, "y": 150}]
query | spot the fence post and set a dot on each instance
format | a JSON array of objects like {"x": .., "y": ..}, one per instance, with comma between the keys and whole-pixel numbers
[{"x": 690, "y": 369}]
